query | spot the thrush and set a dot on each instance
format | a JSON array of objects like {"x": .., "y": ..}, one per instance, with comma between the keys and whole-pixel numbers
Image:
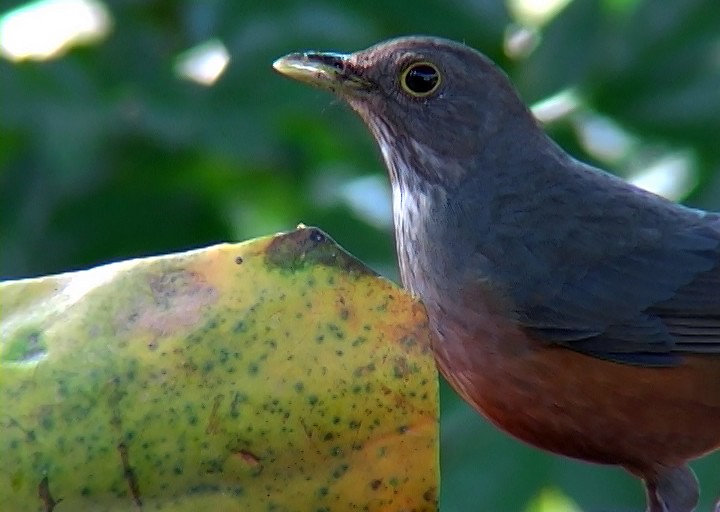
[{"x": 574, "y": 310}]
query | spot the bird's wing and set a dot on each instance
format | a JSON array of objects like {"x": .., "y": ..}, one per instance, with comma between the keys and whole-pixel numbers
[{"x": 646, "y": 305}]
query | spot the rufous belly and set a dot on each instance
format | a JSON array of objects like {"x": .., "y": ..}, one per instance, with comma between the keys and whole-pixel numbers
[{"x": 577, "y": 405}]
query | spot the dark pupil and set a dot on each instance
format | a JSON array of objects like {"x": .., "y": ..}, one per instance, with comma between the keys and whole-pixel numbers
[{"x": 421, "y": 78}]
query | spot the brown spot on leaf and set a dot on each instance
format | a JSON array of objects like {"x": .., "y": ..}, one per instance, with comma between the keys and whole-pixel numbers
[
  {"x": 308, "y": 431},
  {"x": 401, "y": 368},
  {"x": 129, "y": 475},
  {"x": 311, "y": 246},
  {"x": 250, "y": 459},
  {"x": 48, "y": 502},
  {"x": 176, "y": 301},
  {"x": 430, "y": 495},
  {"x": 213, "y": 426},
  {"x": 364, "y": 370}
]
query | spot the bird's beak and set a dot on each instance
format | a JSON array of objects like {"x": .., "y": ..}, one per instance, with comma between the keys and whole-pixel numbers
[{"x": 330, "y": 71}]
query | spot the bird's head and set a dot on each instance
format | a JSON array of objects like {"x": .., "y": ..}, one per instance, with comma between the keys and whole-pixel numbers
[{"x": 433, "y": 105}]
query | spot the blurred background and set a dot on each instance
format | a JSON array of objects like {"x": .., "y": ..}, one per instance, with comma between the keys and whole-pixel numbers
[{"x": 139, "y": 127}]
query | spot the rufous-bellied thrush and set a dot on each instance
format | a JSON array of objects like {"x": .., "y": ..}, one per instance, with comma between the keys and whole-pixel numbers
[{"x": 574, "y": 310}]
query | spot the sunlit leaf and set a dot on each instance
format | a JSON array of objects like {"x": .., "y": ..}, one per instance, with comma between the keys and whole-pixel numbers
[{"x": 552, "y": 500}]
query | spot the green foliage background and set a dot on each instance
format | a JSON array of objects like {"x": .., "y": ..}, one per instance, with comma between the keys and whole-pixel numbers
[{"x": 105, "y": 155}]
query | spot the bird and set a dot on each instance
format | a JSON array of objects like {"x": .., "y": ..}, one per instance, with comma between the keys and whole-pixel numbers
[{"x": 574, "y": 310}]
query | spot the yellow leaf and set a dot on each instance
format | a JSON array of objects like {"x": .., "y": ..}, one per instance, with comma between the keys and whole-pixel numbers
[{"x": 276, "y": 374}]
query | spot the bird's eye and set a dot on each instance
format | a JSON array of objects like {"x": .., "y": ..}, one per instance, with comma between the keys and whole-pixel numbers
[{"x": 420, "y": 79}]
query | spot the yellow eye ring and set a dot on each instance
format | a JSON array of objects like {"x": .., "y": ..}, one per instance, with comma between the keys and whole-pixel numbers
[{"x": 420, "y": 79}]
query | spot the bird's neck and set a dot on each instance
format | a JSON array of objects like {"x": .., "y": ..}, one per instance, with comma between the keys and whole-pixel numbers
[
  {"x": 442, "y": 223},
  {"x": 422, "y": 219},
  {"x": 415, "y": 216}
]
